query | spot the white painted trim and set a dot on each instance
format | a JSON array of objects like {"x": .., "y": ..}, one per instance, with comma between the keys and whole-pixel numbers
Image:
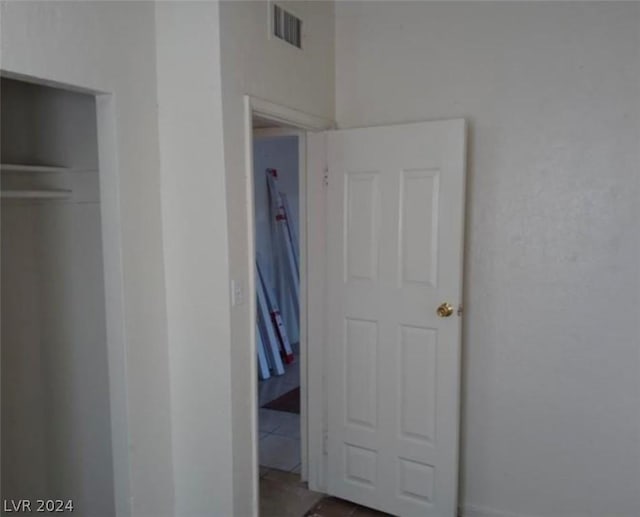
[
  {"x": 41, "y": 81},
  {"x": 288, "y": 116},
  {"x": 316, "y": 207},
  {"x": 471, "y": 510},
  {"x": 297, "y": 122},
  {"x": 251, "y": 289},
  {"x": 114, "y": 301},
  {"x": 276, "y": 132},
  {"x": 304, "y": 290}
]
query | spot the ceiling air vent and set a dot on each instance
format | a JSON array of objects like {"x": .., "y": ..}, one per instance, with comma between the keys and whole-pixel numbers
[{"x": 286, "y": 26}]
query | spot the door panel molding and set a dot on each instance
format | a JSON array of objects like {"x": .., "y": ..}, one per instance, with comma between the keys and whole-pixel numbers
[{"x": 395, "y": 242}]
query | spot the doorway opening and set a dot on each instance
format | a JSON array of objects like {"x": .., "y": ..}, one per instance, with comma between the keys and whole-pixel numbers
[
  {"x": 287, "y": 449},
  {"x": 279, "y": 216},
  {"x": 276, "y": 163}
]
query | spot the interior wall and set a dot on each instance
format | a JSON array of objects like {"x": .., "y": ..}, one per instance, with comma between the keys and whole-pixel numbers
[
  {"x": 280, "y": 153},
  {"x": 73, "y": 372},
  {"x": 109, "y": 48},
  {"x": 257, "y": 65},
  {"x": 194, "y": 216},
  {"x": 24, "y": 459},
  {"x": 551, "y": 371}
]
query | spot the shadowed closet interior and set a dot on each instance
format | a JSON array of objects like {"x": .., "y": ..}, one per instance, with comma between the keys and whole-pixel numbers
[{"x": 56, "y": 429}]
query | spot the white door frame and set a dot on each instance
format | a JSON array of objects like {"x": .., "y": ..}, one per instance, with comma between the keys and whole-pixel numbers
[
  {"x": 311, "y": 371},
  {"x": 109, "y": 177}
]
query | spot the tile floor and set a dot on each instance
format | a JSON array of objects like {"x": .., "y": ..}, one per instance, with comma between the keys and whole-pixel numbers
[{"x": 279, "y": 446}]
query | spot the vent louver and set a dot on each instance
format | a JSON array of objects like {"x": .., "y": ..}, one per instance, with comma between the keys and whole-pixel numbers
[{"x": 287, "y": 27}]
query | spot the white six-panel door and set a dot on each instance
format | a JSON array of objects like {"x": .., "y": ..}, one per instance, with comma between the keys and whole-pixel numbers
[{"x": 395, "y": 243}]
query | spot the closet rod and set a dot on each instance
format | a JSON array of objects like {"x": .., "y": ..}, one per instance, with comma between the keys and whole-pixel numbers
[
  {"x": 35, "y": 194},
  {"x": 14, "y": 167}
]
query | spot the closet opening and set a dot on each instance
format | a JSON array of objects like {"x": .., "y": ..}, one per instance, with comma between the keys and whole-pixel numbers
[{"x": 62, "y": 352}]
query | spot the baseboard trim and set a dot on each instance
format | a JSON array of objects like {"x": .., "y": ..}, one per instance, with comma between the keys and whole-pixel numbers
[{"x": 472, "y": 510}]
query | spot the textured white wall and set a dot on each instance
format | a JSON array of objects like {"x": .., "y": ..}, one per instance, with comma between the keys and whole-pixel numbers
[
  {"x": 110, "y": 47},
  {"x": 194, "y": 219},
  {"x": 272, "y": 70},
  {"x": 280, "y": 153},
  {"x": 551, "y": 348}
]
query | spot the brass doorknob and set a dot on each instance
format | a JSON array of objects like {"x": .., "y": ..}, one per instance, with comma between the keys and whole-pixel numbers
[{"x": 445, "y": 310}]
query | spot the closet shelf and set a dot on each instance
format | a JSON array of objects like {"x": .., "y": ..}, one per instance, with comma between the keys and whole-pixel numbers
[
  {"x": 35, "y": 194},
  {"x": 14, "y": 167}
]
